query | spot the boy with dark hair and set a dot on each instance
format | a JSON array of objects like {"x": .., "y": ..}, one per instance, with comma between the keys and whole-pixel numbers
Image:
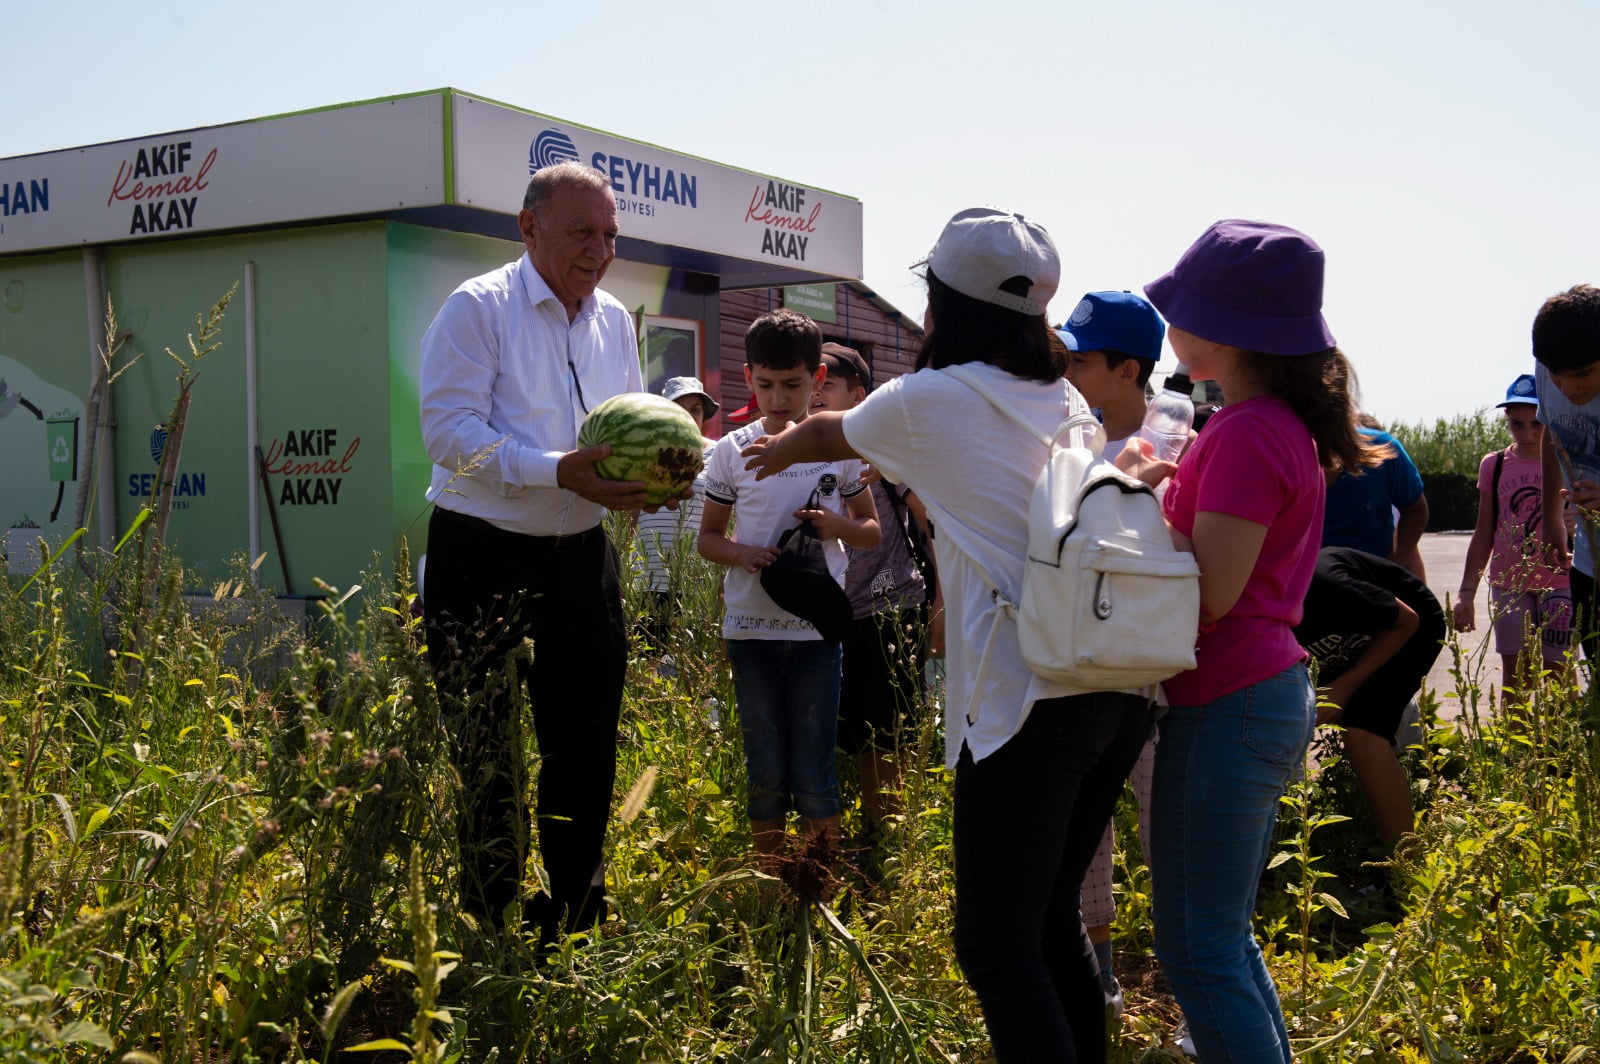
[
  {"x": 1374, "y": 631},
  {"x": 1566, "y": 346},
  {"x": 785, "y": 673},
  {"x": 1362, "y": 504},
  {"x": 880, "y": 692},
  {"x": 1115, "y": 340}
]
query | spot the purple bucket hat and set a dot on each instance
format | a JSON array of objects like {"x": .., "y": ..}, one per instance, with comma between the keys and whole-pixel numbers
[{"x": 1253, "y": 285}]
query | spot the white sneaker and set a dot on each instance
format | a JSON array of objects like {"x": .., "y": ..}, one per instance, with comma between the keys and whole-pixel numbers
[
  {"x": 1184, "y": 1041},
  {"x": 1114, "y": 1000}
]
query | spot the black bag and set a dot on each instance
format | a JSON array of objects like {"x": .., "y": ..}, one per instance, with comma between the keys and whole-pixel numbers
[{"x": 799, "y": 582}]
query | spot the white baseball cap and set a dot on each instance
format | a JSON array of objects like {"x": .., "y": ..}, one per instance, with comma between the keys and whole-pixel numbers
[{"x": 981, "y": 248}]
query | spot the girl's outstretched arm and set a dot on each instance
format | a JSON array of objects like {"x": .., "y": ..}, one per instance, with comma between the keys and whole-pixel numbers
[{"x": 819, "y": 438}]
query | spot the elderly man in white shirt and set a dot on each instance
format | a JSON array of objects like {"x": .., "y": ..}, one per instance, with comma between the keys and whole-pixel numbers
[{"x": 510, "y": 367}]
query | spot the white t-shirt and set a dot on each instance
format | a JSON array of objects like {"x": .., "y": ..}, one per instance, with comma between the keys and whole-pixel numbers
[
  {"x": 763, "y": 511},
  {"x": 975, "y": 469},
  {"x": 1575, "y": 430}
]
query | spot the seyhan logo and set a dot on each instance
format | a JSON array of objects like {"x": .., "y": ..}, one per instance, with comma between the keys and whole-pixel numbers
[
  {"x": 629, "y": 177},
  {"x": 549, "y": 148},
  {"x": 143, "y": 485}
]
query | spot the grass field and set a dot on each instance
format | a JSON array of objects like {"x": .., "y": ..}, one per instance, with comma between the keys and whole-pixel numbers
[{"x": 224, "y": 840}]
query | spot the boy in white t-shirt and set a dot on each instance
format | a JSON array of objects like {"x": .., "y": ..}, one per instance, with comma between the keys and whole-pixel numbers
[{"x": 786, "y": 675}]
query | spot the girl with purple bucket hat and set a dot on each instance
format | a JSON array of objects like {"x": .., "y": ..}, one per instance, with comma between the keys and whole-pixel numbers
[{"x": 1243, "y": 308}]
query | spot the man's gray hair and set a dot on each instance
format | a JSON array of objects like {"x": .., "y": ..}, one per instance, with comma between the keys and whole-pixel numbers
[{"x": 543, "y": 184}]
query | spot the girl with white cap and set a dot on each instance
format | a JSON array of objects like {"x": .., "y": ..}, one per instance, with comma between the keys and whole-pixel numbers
[{"x": 1039, "y": 766}]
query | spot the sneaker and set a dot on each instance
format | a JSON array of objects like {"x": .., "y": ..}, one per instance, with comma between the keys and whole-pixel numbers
[
  {"x": 1185, "y": 1042},
  {"x": 1114, "y": 999}
]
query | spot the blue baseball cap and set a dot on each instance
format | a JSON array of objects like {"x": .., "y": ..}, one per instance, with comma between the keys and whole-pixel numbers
[
  {"x": 1115, "y": 321},
  {"x": 1521, "y": 393}
]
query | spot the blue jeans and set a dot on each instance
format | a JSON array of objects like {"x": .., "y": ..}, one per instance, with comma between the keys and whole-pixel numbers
[
  {"x": 1028, "y": 819},
  {"x": 1220, "y": 770},
  {"x": 788, "y": 700}
]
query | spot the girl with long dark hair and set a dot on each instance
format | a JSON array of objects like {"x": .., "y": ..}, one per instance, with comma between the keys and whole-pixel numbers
[
  {"x": 1038, "y": 766},
  {"x": 1243, "y": 308}
]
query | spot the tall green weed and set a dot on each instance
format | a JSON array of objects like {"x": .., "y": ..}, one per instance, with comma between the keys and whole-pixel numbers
[
  {"x": 237, "y": 842},
  {"x": 1455, "y": 444}
]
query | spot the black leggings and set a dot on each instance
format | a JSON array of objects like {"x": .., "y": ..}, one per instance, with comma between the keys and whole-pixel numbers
[
  {"x": 487, "y": 590},
  {"x": 1028, "y": 819}
]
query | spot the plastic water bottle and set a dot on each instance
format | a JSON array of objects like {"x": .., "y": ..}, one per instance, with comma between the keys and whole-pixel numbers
[{"x": 1170, "y": 416}]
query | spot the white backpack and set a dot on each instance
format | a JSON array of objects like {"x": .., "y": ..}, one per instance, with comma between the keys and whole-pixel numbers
[{"x": 1107, "y": 602}]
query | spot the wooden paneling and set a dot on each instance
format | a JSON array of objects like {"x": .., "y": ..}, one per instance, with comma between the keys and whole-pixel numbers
[{"x": 890, "y": 340}]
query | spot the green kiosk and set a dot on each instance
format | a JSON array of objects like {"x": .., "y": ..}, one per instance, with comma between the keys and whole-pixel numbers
[{"x": 344, "y": 228}]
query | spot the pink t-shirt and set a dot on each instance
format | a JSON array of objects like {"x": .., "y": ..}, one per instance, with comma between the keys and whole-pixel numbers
[
  {"x": 1255, "y": 460},
  {"x": 1518, "y": 513}
]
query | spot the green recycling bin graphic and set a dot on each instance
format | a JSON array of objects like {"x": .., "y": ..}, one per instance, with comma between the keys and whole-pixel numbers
[
  {"x": 39, "y": 437},
  {"x": 61, "y": 443}
]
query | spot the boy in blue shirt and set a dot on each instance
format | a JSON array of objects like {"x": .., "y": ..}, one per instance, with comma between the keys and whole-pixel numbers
[
  {"x": 785, "y": 673},
  {"x": 1360, "y": 507}
]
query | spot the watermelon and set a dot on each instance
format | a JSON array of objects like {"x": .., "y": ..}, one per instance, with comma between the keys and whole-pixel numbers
[{"x": 652, "y": 439}]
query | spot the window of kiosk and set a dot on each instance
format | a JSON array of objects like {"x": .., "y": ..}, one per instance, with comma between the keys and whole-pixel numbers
[{"x": 670, "y": 347}]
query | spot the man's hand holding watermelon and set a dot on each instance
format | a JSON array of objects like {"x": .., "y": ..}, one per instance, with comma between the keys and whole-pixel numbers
[{"x": 576, "y": 473}]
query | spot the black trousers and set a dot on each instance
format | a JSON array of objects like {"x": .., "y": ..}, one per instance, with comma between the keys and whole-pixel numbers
[
  {"x": 1028, "y": 819},
  {"x": 504, "y": 611}
]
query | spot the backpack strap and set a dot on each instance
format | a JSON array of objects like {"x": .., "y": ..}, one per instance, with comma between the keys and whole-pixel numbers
[
  {"x": 913, "y": 537},
  {"x": 1001, "y": 605},
  {"x": 1494, "y": 486},
  {"x": 1084, "y": 420}
]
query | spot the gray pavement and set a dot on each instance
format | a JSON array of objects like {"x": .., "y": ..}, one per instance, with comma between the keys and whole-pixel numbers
[{"x": 1443, "y": 555}]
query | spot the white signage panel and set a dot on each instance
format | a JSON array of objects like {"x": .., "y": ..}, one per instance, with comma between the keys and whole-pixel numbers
[
  {"x": 663, "y": 197},
  {"x": 361, "y": 159}
]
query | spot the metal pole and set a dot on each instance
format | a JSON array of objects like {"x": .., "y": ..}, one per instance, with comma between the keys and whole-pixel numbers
[
  {"x": 252, "y": 444},
  {"x": 105, "y": 498}
]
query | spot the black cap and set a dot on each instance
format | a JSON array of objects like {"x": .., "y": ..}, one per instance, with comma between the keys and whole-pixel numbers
[{"x": 847, "y": 360}]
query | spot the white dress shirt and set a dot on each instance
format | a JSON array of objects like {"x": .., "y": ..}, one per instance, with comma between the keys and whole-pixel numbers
[{"x": 506, "y": 383}]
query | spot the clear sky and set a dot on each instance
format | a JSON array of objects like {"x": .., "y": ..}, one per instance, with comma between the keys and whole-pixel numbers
[{"x": 1443, "y": 154}]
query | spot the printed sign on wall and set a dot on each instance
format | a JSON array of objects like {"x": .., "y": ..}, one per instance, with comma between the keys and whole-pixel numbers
[
  {"x": 661, "y": 196},
  {"x": 307, "y": 467},
  {"x": 323, "y": 164},
  {"x": 816, "y": 301}
]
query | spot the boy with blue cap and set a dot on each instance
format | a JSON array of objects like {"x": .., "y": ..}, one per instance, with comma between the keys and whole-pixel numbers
[
  {"x": 1527, "y": 595},
  {"x": 1115, "y": 339}
]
